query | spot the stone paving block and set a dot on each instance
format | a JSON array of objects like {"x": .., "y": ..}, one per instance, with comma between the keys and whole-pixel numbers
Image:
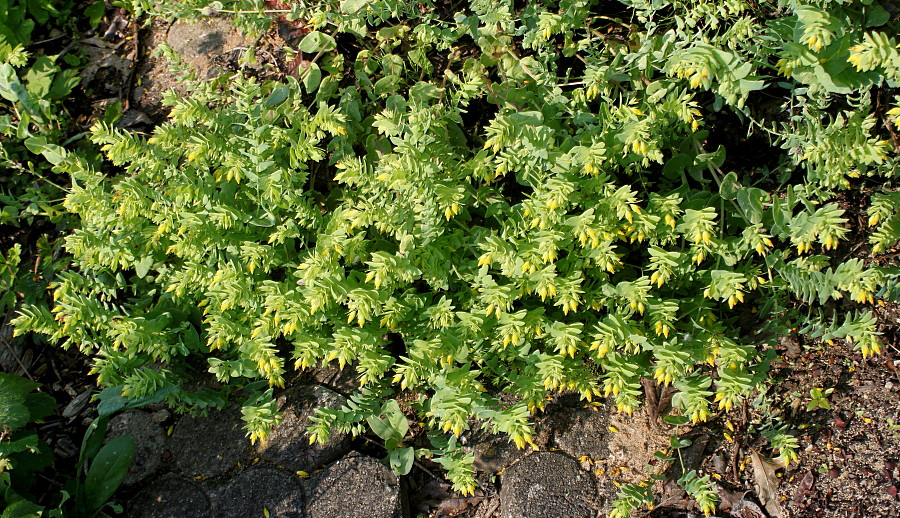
[
  {"x": 256, "y": 491},
  {"x": 547, "y": 485},
  {"x": 149, "y": 439},
  {"x": 209, "y": 446},
  {"x": 332, "y": 376},
  {"x": 288, "y": 443},
  {"x": 354, "y": 487},
  {"x": 493, "y": 451},
  {"x": 170, "y": 496},
  {"x": 586, "y": 435}
]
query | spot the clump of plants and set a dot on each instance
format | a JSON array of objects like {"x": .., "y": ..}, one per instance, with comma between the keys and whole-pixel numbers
[
  {"x": 569, "y": 195},
  {"x": 24, "y": 456}
]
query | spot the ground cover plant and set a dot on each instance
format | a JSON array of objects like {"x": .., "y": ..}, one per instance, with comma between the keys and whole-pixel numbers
[{"x": 458, "y": 200}]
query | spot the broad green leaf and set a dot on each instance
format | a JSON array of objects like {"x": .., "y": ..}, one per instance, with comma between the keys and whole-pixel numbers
[
  {"x": 730, "y": 186},
  {"x": 143, "y": 266},
  {"x": 52, "y": 152},
  {"x": 311, "y": 77},
  {"x": 39, "y": 77},
  {"x": 22, "y": 509},
  {"x": 278, "y": 95},
  {"x": 352, "y": 6},
  {"x": 387, "y": 85},
  {"x": 17, "y": 384},
  {"x": 676, "y": 419},
  {"x": 876, "y": 15},
  {"x": 39, "y": 405},
  {"x": 10, "y": 87},
  {"x": 111, "y": 401},
  {"x": 425, "y": 91},
  {"x": 13, "y": 412},
  {"x": 751, "y": 201},
  {"x": 15, "y": 27},
  {"x": 402, "y": 460},
  {"x": 95, "y": 13},
  {"x": 317, "y": 41},
  {"x": 107, "y": 472},
  {"x": 63, "y": 83},
  {"x": 393, "y": 426},
  {"x": 25, "y": 443}
]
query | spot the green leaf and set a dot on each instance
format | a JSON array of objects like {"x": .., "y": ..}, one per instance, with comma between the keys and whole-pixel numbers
[
  {"x": 402, "y": 460},
  {"x": 95, "y": 13},
  {"x": 16, "y": 28},
  {"x": 676, "y": 419},
  {"x": 317, "y": 41},
  {"x": 393, "y": 426},
  {"x": 387, "y": 85},
  {"x": 876, "y": 15},
  {"x": 25, "y": 443},
  {"x": 39, "y": 77},
  {"x": 40, "y": 10},
  {"x": 13, "y": 411},
  {"x": 312, "y": 76},
  {"x": 425, "y": 91},
  {"x": 10, "y": 87},
  {"x": 63, "y": 83},
  {"x": 662, "y": 456},
  {"x": 278, "y": 95},
  {"x": 751, "y": 201},
  {"x": 675, "y": 442},
  {"x": 111, "y": 400},
  {"x": 40, "y": 405},
  {"x": 143, "y": 266},
  {"x": 107, "y": 472},
  {"x": 52, "y": 152},
  {"x": 22, "y": 509},
  {"x": 93, "y": 440},
  {"x": 352, "y": 6},
  {"x": 17, "y": 384},
  {"x": 730, "y": 186}
]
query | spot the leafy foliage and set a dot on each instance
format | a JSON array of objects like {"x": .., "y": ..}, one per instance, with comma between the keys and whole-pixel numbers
[
  {"x": 492, "y": 200},
  {"x": 32, "y": 125},
  {"x": 101, "y": 467}
]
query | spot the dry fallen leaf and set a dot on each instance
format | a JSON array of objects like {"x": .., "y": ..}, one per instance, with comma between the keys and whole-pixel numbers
[
  {"x": 766, "y": 482},
  {"x": 805, "y": 487},
  {"x": 102, "y": 54}
]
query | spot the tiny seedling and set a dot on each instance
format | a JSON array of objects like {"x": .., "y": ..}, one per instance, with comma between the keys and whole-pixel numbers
[{"x": 819, "y": 399}]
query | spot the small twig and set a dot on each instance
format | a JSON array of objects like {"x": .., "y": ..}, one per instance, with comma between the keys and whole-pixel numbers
[
  {"x": 48, "y": 40},
  {"x": 12, "y": 351},
  {"x": 890, "y": 127},
  {"x": 493, "y": 509},
  {"x": 129, "y": 80}
]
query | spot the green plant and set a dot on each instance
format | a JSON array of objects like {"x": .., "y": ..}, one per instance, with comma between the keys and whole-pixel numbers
[
  {"x": 893, "y": 427},
  {"x": 100, "y": 468},
  {"x": 391, "y": 427},
  {"x": 22, "y": 453},
  {"x": 782, "y": 441},
  {"x": 491, "y": 200},
  {"x": 631, "y": 497},
  {"x": 819, "y": 399},
  {"x": 32, "y": 127}
]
